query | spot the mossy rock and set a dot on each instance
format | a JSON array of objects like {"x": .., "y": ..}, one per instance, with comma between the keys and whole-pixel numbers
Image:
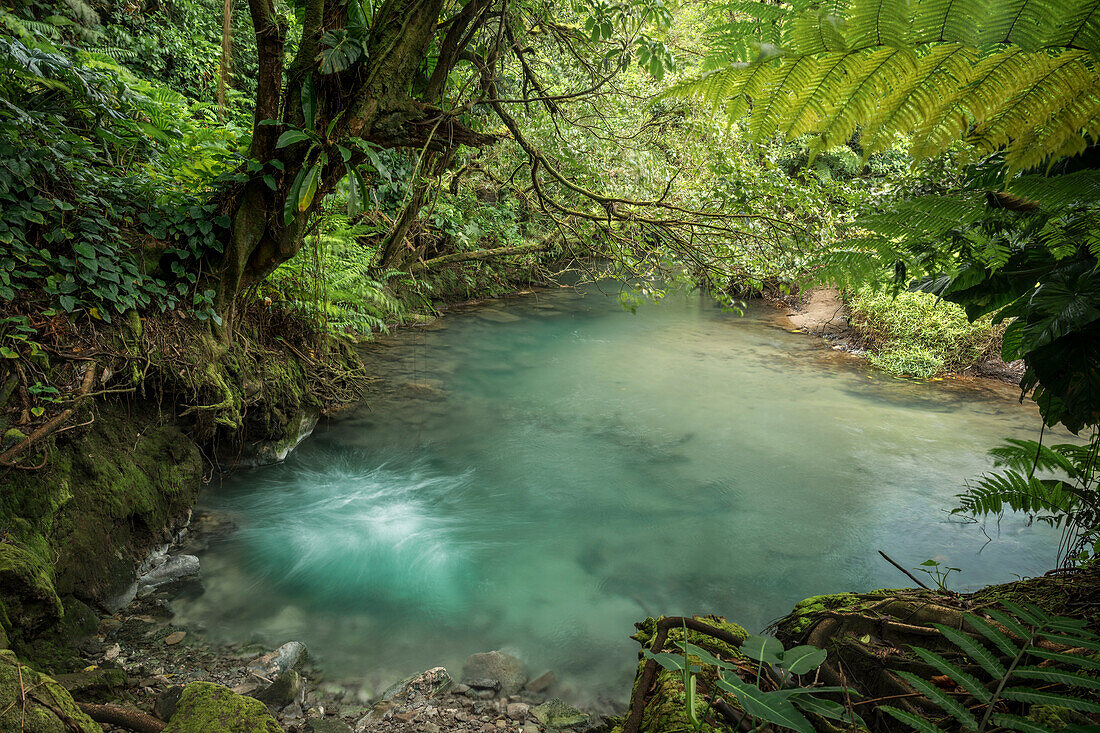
[
  {"x": 806, "y": 611},
  {"x": 45, "y": 706},
  {"x": 29, "y": 594},
  {"x": 208, "y": 708}
]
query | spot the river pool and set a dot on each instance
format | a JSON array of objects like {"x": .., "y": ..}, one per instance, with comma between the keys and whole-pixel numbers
[{"x": 536, "y": 474}]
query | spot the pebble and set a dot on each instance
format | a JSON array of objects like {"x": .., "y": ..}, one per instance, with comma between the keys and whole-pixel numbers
[
  {"x": 112, "y": 652},
  {"x": 518, "y": 710},
  {"x": 175, "y": 637}
]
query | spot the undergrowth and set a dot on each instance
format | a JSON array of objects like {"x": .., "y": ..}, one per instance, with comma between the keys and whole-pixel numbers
[{"x": 918, "y": 335}]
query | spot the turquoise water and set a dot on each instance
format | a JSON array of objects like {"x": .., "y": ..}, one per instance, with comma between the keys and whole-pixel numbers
[{"x": 537, "y": 475}]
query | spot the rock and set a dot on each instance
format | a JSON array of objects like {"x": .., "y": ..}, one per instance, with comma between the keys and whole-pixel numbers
[
  {"x": 204, "y": 707},
  {"x": 496, "y": 316},
  {"x": 556, "y": 714},
  {"x": 283, "y": 691},
  {"x": 460, "y": 689},
  {"x": 326, "y": 725},
  {"x": 273, "y": 664},
  {"x": 175, "y": 575},
  {"x": 165, "y": 704},
  {"x": 484, "y": 683},
  {"x": 495, "y": 665},
  {"x": 423, "y": 391},
  {"x": 49, "y": 707},
  {"x": 418, "y": 688},
  {"x": 95, "y": 680},
  {"x": 541, "y": 683},
  {"x": 530, "y": 728},
  {"x": 517, "y": 710},
  {"x": 175, "y": 638},
  {"x": 112, "y": 652},
  {"x": 429, "y": 728}
]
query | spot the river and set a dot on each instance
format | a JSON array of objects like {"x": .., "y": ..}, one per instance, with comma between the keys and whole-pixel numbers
[{"x": 536, "y": 474}]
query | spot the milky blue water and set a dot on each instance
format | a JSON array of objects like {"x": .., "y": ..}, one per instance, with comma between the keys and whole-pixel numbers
[{"x": 538, "y": 474}]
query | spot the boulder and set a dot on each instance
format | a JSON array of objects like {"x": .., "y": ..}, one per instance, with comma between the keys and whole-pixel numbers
[
  {"x": 43, "y": 706},
  {"x": 326, "y": 725},
  {"x": 273, "y": 664},
  {"x": 541, "y": 683},
  {"x": 556, "y": 714},
  {"x": 283, "y": 691},
  {"x": 495, "y": 665},
  {"x": 165, "y": 704},
  {"x": 204, "y": 707},
  {"x": 176, "y": 575}
]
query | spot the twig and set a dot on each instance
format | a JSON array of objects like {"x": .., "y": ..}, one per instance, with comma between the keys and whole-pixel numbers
[
  {"x": 899, "y": 567},
  {"x": 53, "y": 423}
]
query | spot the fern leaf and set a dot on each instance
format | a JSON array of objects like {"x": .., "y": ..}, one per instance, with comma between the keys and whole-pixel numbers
[
  {"x": 1022, "y": 633},
  {"x": 1075, "y": 659},
  {"x": 974, "y": 650},
  {"x": 1057, "y": 676},
  {"x": 1042, "y": 697},
  {"x": 946, "y": 702},
  {"x": 967, "y": 681},
  {"x": 909, "y": 719},
  {"x": 999, "y": 640}
]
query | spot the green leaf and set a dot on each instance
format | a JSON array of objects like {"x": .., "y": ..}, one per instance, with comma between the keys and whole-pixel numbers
[
  {"x": 909, "y": 719},
  {"x": 803, "y": 659},
  {"x": 669, "y": 661},
  {"x": 67, "y": 302},
  {"x": 945, "y": 701},
  {"x": 1009, "y": 623},
  {"x": 968, "y": 682},
  {"x": 762, "y": 648},
  {"x": 38, "y": 411},
  {"x": 1073, "y": 641},
  {"x": 309, "y": 102},
  {"x": 827, "y": 709},
  {"x": 974, "y": 650},
  {"x": 290, "y": 137},
  {"x": 704, "y": 655},
  {"x": 994, "y": 635},
  {"x": 8, "y": 353},
  {"x": 309, "y": 188},
  {"x": 1072, "y": 679},
  {"x": 290, "y": 208},
  {"x": 1075, "y": 659},
  {"x": 768, "y": 706},
  {"x": 1041, "y": 697}
]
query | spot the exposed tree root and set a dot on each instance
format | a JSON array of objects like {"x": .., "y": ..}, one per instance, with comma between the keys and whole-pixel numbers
[{"x": 124, "y": 717}]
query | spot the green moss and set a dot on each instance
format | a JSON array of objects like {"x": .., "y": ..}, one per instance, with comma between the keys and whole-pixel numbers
[
  {"x": 208, "y": 708},
  {"x": 29, "y": 593},
  {"x": 44, "y": 706},
  {"x": 1056, "y": 718},
  {"x": 805, "y": 612}
]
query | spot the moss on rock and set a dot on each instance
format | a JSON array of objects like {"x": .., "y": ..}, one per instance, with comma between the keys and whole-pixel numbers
[
  {"x": 35, "y": 703},
  {"x": 208, "y": 708}
]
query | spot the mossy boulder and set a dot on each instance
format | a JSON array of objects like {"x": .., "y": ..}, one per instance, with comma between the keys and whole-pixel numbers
[
  {"x": 208, "y": 708},
  {"x": 43, "y": 706},
  {"x": 79, "y": 526}
]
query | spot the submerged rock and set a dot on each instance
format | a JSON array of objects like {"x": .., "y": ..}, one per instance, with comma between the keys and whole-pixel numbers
[
  {"x": 274, "y": 663},
  {"x": 495, "y": 665},
  {"x": 541, "y": 683},
  {"x": 556, "y": 714},
  {"x": 175, "y": 575},
  {"x": 35, "y": 703},
  {"x": 204, "y": 707}
]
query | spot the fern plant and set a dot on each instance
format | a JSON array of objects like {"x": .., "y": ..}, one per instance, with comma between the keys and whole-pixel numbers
[
  {"x": 1028, "y": 657},
  {"x": 1016, "y": 75},
  {"x": 1065, "y": 495}
]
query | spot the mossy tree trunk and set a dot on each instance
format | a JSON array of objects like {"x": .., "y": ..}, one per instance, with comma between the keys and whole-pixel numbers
[{"x": 369, "y": 101}]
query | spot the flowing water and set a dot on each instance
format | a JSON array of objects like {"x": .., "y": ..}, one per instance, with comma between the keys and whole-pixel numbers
[{"x": 537, "y": 475}]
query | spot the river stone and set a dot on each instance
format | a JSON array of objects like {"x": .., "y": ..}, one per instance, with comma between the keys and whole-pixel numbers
[
  {"x": 273, "y": 664},
  {"x": 283, "y": 691},
  {"x": 542, "y": 682},
  {"x": 495, "y": 665},
  {"x": 556, "y": 714},
  {"x": 175, "y": 576},
  {"x": 204, "y": 707},
  {"x": 497, "y": 316},
  {"x": 326, "y": 725},
  {"x": 49, "y": 707},
  {"x": 419, "y": 688},
  {"x": 165, "y": 704}
]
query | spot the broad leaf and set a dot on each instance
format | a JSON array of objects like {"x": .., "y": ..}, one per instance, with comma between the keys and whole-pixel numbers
[
  {"x": 763, "y": 649},
  {"x": 909, "y": 719},
  {"x": 771, "y": 707}
]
